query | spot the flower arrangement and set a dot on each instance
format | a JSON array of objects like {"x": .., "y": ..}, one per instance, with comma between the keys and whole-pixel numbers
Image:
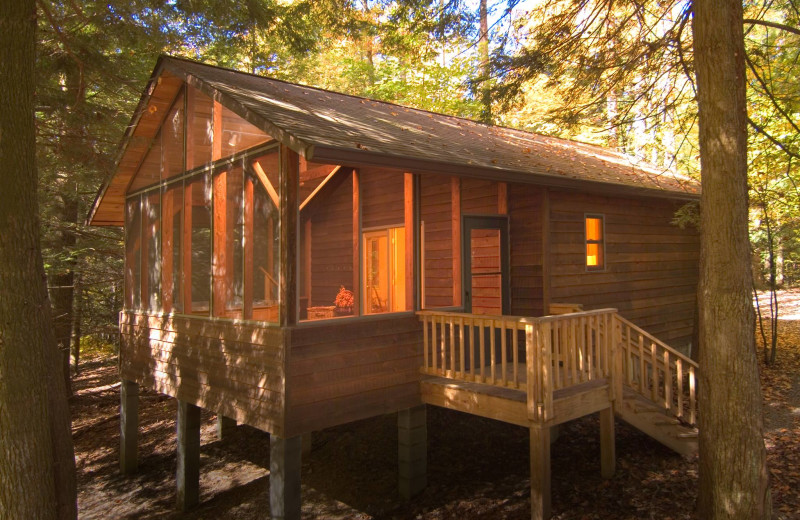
[{"x": 344, "y": 300}]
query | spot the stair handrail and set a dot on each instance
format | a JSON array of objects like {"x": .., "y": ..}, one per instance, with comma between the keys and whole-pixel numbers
[{"x": 644, "y": 378}]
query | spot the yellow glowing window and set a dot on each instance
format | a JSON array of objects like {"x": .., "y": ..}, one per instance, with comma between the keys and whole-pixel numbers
[
  {"x": 595, "y": 243},
  {"x": 384, "y": 271}
]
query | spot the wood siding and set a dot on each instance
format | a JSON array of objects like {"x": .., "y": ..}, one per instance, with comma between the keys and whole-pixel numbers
[
  {"x": 349, "y": 369},
  {"x": 479, "y": 197},
  {"x": 382, "y": 198},
  {"x": 235, "y": 369},
  {"x": 435, "y": 213},
  {"x": 651, "y": 265},
  {"x": 525, "y": 207}
]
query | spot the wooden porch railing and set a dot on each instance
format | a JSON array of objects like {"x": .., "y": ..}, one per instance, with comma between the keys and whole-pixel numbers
[
  {"x": 542, "y": 355},
  {"x": 657, "y": 371},
  {"x": 538, "y": 355}
]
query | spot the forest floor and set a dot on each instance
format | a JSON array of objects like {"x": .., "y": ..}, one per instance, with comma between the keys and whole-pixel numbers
[{"x": 477, "y": 468}]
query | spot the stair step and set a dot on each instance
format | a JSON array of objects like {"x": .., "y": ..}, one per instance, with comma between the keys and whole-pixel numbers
[{"x": 668, "y": 423}]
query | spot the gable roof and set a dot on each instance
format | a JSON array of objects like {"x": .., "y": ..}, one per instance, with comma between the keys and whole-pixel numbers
[{"x": 326, "y": 126}]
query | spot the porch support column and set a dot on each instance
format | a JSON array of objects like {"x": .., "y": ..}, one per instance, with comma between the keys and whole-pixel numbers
[
  {"x": 188, "y": 474},
  {"x": 128, "y": 426},
  {"x": 540, "y": 472},
  {"x": 284, "y": 477},
  {"x": 225, "y": 426},
  {"x": 607, "y": 443},
  {"x": 412, "y": 450}
]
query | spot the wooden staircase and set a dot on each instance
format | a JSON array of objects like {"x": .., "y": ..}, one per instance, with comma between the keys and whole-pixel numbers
[
  {"x": 646, "y": 416},
  {"x": 658, "y": 389}
]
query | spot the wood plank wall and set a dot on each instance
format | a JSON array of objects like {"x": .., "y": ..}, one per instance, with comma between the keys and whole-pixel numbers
[
  {"x": 332, "y": 244},
  {"x": 652, "y": 265},
  {"x": 382, "y": 201},
  {"x": 479, "y": 197},
  {"x": 352, "y": 368},
  {"x": 525, "y": 208},
  {"x": 435, "y": 212},
  {"x": 235, "y": 369}
]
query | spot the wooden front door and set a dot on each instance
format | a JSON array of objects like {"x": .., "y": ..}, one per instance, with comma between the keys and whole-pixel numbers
[{"x": 486, "y": 264}]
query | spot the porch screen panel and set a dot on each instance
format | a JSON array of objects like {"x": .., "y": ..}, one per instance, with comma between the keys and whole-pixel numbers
[
  {"x": 172, "y": 247},
  {"x": 198, "y": 244},
  {"x": 261, "y": 253},
  {"x": 199, "y": 128},
  {"x": 238, "y": 134},
  {"x": 383, "y": 281},
  {"x": 151, "y": 252},
  {"x": 149, "y": 173},
  {"x": 172, "y": 141},
  {"x": 133, "y": 246},
  {"x": 327, "y": 249}
]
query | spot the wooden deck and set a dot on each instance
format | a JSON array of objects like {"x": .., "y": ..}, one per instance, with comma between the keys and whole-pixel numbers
[
  {"x": 541, "y": 372},
  {"x": 509, "y": 404}
]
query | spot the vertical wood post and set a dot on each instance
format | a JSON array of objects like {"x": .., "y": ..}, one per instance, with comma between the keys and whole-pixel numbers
[
  {"x": 412, "y": 450},
  {"x": 220, "y": 272},
  {"x": 607, "y": 443},
  {"x": 128, "y": 426},
  {"x": 410, "y": 230},
  {"x": 188, "y": 473},
  {"x": 502, "y": 198},
  {"x": 356, "y": 243},
  {"x": 289, "y": 186},
  {"x": 225, "y": 426},
  {"x": 284, "y": 477},
  {"x": 540, "y": 471}
]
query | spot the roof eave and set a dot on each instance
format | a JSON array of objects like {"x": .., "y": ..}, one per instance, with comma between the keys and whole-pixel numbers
[{"x": 416, "y": 165}]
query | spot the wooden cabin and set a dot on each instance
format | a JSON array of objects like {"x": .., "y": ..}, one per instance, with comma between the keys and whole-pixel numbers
[{"x": 298, "y": 259}]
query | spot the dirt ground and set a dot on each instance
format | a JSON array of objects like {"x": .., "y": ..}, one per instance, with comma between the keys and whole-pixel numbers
[{"x": 477, "y": 468}]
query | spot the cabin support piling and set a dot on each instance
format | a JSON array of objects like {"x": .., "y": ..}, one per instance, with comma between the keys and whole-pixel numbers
[
  {"x": 284, "y": 477},
  {"x": 412, "y": 450},
  {"x": 188, "y": 474},
  {"x": 540, "y": 471},
  {"x": 128, "y": 426},
  {"x": 225, "y": 426},
  {"x": 607, "y": 443}
]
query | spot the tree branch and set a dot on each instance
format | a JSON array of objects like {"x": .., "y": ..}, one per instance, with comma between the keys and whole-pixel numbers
[
  {"x": 774, "y": 141},
  {"x": 774, "y": 25}
]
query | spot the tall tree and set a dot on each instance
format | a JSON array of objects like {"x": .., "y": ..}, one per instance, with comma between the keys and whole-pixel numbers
[
  {"x": 483, "y": 54},
  {"x": 37, "y": 477},
  {"x": 733, "y": 475}
]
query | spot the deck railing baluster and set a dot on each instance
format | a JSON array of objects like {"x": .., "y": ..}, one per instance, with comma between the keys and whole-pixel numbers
[{"x": 679, "y": 393}]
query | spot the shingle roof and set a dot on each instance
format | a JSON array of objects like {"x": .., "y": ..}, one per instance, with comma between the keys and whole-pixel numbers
[
  {"x": 328, "y": 121},
  {"x": 326, "y": 126}
]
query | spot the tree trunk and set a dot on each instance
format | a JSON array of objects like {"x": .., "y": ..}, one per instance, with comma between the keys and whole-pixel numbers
[
  {"x": 483, "y": 53},
  {"x": 733, "y": 476},
  {"x": 77, "y": 316},
  {"x": 37, "y": 472}
]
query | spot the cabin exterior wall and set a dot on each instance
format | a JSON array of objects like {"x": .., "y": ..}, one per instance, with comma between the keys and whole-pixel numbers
[
  {"x": 236, "y": 369},
  {"x": 651, "y": 269},
  {"x": 349, "y": 369}
]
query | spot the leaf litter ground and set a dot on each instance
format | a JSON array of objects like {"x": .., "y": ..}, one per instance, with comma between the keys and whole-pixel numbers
[{"x": 477, "y": 468}]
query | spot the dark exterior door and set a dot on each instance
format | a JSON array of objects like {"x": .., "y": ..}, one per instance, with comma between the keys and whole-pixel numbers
[{"x": 485, "y": 255}]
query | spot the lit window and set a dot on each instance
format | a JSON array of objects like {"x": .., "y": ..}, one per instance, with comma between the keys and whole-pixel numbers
[
  {"x": 595, "y": 243},
  {"x": 384, "y": 271}
]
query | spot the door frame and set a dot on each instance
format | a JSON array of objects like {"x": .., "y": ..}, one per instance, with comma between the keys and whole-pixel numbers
[{"x": 501, "y": 223}]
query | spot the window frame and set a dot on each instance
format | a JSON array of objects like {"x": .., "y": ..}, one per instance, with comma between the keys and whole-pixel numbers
[{"x": 601, "y": 243}]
